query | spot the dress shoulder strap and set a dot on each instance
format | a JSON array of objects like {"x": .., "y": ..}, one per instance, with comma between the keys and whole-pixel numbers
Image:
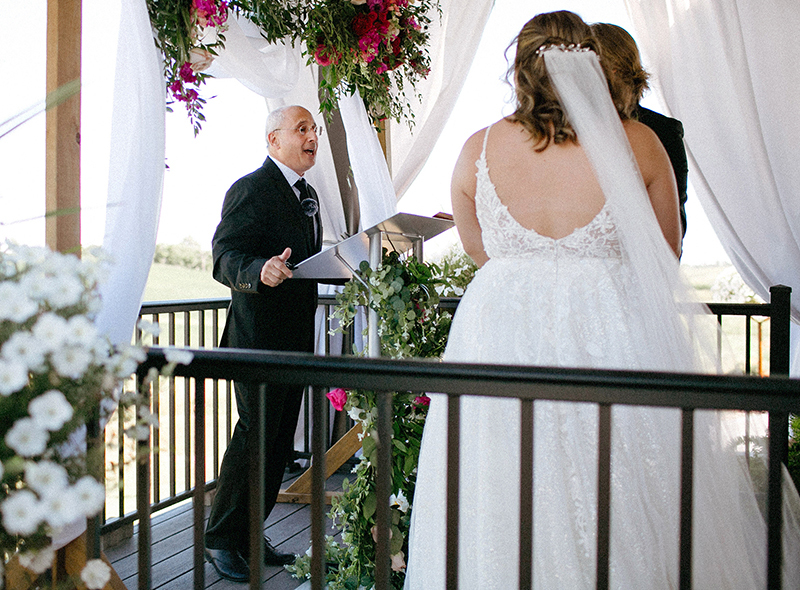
[{"x": 485, "y": 139}]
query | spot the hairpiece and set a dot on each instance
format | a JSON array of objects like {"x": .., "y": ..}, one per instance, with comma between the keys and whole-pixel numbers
[{"x": 562, "y": 47}]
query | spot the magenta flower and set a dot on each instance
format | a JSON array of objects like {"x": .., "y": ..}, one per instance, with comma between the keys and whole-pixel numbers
[
  {"x": 187, "y": 73},
  {"x": 338, "y": 398},
  {"x": 422, "y": 400}
]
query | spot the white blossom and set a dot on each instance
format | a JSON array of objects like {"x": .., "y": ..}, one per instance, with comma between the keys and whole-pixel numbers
[
  {"x": 21, "y": 513},
  {"x": 46, "y": 478},
  {"x": 27, "y": 438},
  {"x": 26, "y": 349},
  {"x": 17, "y": 306},
  {"x": 37, "y": 561},
  {"x": 51, "y": 330},
  {"x": 355, "y": 413},
  {"x": 90, "y": 496},
  {"x": 50, "y": 410},
  {"x": 81, "y": 331},
  {"x": 13, "y": 376},
  {"x": 179, "y": 356},
  {"x": 71, "y": 361},
  {"x": 35, "y": 284},
  {"x": 61, "y": 509},
  {"x": 400, "y": 501},
  {"x": 148, "y": 327},
  {"x": 95, "y": 574},
  {"x": 65, "y": 291}
]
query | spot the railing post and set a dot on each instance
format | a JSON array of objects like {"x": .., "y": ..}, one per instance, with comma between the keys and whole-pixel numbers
[
  {"x": 318, "y": 431},
  {"x": 603, "y": 496},
  {"x": 145, "y": 558},
  {"x": 687, "y": 497},
  {"x": 526, "y": 494},
  {"x": 383, "y": 488},
  {"x": 198, "y": 497},
  {"x": 452, "y": 510},
  {"x": 780, "y": 317},
  {"x": 257, "y": 487}
]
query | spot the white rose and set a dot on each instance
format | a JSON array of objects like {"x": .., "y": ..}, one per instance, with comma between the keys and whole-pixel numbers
[{"x": 201, "y": 59}]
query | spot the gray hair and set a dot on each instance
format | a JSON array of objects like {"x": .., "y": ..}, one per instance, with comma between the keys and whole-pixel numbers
[{"x": 275, "y": 119}]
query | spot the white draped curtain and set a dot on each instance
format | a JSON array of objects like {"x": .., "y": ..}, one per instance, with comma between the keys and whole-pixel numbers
[{"x": 729, "y": 71}]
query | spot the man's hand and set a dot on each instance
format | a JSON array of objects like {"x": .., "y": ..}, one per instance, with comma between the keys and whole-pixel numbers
[{"x": 275, "y": 271}]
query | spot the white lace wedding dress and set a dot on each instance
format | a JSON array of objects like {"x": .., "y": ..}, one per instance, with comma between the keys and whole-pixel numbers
[{"x": 568, "y": 302}]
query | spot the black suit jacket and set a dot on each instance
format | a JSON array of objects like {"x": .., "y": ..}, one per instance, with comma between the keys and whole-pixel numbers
[
  {"x": 670, "y": 132},
  {"x": 261, "y": 216}
]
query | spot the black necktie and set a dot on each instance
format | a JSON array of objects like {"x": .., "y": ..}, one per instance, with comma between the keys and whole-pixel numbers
[{"x": 308, "y": 203}]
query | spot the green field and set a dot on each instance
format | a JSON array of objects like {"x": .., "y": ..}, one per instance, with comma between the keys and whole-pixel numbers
[{"x": 174, "y": 283}]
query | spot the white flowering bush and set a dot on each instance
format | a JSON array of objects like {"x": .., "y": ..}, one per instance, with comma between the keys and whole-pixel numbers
[
  {"x": 57, "y": 372},
  {"x": 730, "y": 288}
]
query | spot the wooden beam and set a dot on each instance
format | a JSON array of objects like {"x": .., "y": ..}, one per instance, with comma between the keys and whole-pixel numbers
[
  {"x": 299, "y": 491},
  {"x": 62, "y": 169}
]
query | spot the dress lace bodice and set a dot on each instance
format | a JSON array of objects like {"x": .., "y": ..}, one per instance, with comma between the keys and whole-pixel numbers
[{"x": 504, "y": 237}]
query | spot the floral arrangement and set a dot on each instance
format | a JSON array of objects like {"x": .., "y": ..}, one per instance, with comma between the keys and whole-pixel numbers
[
  {"x": 188, "y": 33},
  {"x": 57, "y": 374},
  {"x": 405, "y": 293},
  {"x": 375, "y": 47}
]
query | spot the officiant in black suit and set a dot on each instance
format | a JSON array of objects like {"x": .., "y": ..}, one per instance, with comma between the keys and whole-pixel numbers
[{"x": 270, "y": 221}]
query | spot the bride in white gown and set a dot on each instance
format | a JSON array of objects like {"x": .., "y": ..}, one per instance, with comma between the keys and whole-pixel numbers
[{"x": 572, "y": 217}]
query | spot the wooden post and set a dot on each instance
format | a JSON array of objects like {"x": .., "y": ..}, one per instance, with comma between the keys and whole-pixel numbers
[
  {"x": 63, "y": 223},
  {"x": 385, "y": 138}
]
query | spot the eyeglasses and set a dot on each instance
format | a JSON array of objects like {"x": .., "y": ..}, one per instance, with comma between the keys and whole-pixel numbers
[{"x": 304, "y": 129}]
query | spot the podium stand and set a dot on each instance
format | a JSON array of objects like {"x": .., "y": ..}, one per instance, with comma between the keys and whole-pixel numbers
[{"x": 401, "y": 232}]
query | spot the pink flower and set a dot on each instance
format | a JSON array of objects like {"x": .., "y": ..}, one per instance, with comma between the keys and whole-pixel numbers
[
  {"x": 187, "y": 73},
  {"x": 382, "y": 68},
  {"x": 338, "y": 398},
  {"x": 326, "y": 56},
  {"x": 422, "y": 400}
]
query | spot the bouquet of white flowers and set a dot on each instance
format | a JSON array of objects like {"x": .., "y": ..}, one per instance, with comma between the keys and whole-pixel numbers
[{"x": 56, "y": 373}]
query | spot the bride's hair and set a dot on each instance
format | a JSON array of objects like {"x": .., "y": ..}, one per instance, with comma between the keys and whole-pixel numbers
[
  {"x": 538, "y": 109},
  {"x": 628, "y": 79}
]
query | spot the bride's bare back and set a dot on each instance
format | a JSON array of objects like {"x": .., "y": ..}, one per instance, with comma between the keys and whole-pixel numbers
[{"x": 555, "y": 191}]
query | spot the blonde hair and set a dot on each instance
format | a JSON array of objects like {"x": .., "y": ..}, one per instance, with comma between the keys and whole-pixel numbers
[
  {"x": 537, "y": 107},
  {"x": 627, "y": 79}
]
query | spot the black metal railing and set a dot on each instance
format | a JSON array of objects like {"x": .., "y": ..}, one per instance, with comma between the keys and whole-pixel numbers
[
  {"x": 198, "y": 324},
  {"x": 776, "y": 395}
]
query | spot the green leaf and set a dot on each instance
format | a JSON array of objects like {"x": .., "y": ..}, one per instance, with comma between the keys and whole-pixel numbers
[{"x": 369, "y": 506}]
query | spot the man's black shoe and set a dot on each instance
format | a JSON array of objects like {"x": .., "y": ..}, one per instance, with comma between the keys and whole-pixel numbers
[
  {"x": 229, "y": 564},
  {"x": 273, "y": 557}
]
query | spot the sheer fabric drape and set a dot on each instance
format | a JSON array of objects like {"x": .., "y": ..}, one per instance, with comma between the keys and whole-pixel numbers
[
  {"x": 729, "y": 72},
  {"x": 136, "y": 172}
]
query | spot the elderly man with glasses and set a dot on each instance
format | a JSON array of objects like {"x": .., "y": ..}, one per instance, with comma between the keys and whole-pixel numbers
[{"x": 270, "y": 222}]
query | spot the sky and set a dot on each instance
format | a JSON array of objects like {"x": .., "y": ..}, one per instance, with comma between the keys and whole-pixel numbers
[{"x": 231, "y": 143}]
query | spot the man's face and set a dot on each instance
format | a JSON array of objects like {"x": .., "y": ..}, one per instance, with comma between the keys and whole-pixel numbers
[{"x": 296, "y": 150}]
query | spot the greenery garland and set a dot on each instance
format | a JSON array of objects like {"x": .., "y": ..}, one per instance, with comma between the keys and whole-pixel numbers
[
  {"x": 376, "y": 47},
  {"x": 405, "y": 293}
]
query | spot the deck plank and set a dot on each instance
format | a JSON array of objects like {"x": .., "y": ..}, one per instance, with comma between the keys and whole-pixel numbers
[{"x": 288, "y": 527}]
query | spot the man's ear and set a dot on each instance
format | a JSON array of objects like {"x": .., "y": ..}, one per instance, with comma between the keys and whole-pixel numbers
[{"x": 272, "y": 139}]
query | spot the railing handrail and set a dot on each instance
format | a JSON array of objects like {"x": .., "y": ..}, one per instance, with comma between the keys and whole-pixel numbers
[
  {"x": 605, "y": 387},
  {"x": 687, "y": 390}
]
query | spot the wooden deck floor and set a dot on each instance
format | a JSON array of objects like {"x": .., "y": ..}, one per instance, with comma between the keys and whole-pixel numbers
[{"x": 288, "y": 527}]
